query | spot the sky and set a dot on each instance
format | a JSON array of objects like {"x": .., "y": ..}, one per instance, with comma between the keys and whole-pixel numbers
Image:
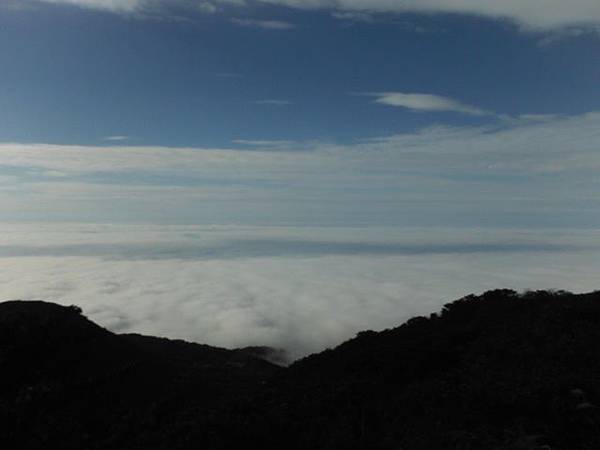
[{"x": 290, "y": 172}]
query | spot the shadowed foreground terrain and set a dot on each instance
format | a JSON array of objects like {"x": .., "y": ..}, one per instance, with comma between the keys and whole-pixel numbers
[{"x": 497, "y": 371}]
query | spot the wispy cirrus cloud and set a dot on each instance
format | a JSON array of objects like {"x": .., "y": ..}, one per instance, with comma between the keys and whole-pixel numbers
[
  {"x": 567, "y": 33},
  {"x": 117, "y": 6},
  {"x": 532, "y": 15},
  {"x": 417, "y": 102},
  {"x": 263, "y": 143},
  {"x": 143, "y": 7},
  {"x": 264, "y": 24}
]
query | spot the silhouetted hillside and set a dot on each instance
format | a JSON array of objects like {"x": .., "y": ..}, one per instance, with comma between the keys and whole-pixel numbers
[
  {"x": 496, "y": 371},
  {"x": 67, "y": 383}
]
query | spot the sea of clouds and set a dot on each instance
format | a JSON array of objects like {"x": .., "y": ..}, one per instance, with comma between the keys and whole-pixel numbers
[{"x": 302, "y": 289}]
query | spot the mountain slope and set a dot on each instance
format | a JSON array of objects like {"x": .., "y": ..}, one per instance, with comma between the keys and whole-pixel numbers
[
  {"x": 497, "y": 371},
  {"x": 68, "y": 383}
]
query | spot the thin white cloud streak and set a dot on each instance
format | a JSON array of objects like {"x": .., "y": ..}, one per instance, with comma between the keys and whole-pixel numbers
[
  {"x": 426, "y": 103},
  {"x": 264, "y": 24},
  {"x": 302, "y": 303},
  {"x": 142, "y": 7},
  {"x": 206, "y": 7},
  {"x": 118, "y": 6},
  {"x": 117, "y": 138},
  {"x": 567, "y": 33},
  {"x": 263, "y": 143},
  {"x": 535, "y": 15}
]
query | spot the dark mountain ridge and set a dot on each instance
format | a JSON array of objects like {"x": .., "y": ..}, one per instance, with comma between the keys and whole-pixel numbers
[{"x": 498, "y": 371}]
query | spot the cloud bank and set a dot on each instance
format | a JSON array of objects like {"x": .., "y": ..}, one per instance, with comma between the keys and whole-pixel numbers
[
  {"x": 536, "y": 170},
  {"x": 230, "y": 291},
  {"x": 530, "y": 14}
]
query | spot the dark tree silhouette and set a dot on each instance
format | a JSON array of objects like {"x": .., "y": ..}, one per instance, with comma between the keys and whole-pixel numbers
[{"x": 501, "y": 370}]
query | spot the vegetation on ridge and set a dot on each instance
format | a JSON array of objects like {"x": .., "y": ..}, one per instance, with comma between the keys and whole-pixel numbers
[{"x": 498, "y": 371}]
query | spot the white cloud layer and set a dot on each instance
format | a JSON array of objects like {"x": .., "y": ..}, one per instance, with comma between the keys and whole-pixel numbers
[
  {"x": 531, "y": 14},
  {"x": 235, "y": 286},
  {"x": 426, "y": 103},
  {"x": 536, "y": 170},
  {"x": 529, "y": 143}
]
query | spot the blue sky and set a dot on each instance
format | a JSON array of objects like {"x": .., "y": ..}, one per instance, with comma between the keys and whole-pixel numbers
[{"x": 186, "y": 77}]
